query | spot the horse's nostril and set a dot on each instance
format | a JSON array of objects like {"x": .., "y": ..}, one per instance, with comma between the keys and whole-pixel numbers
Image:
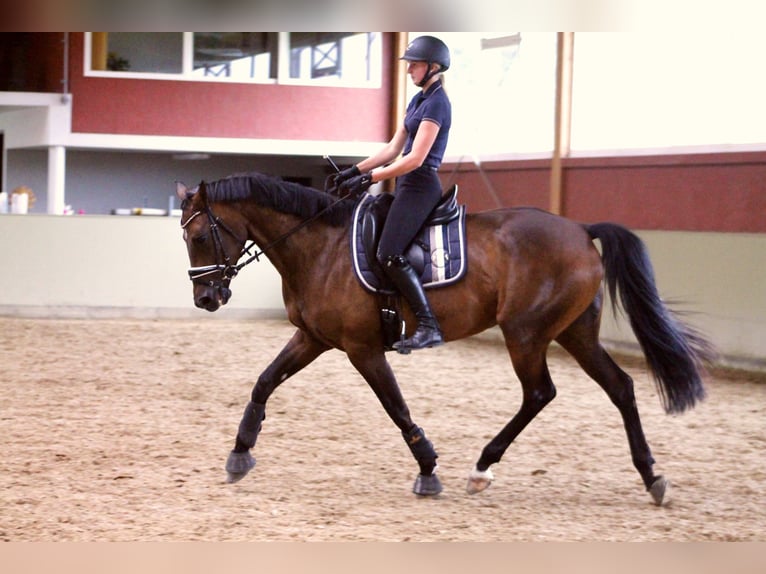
[
  {"x": 209, "y": 301},
  {"x": 203, "y": 301}
]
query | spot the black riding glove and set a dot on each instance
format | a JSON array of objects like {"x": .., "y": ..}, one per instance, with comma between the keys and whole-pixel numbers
[
  {"x": 346, "y": 174},
  {"x": 357, "y": 185}
]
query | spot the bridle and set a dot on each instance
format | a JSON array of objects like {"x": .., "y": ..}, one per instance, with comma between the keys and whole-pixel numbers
[{"x": 225, "y": 267}]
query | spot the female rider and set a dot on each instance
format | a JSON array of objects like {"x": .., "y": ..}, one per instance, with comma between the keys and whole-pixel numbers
[{"x": 421, "y": 141}]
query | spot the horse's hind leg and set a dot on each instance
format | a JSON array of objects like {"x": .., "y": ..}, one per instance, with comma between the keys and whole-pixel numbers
[
  {"x": 581, "y": 340},
  {"x": 301, "y": 350},
  {"x": 538, "y": 390}
]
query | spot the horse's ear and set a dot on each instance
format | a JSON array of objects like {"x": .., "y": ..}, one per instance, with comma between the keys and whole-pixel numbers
[
  {"x": 182, "y": 191},
  {"x": 202, "y": 192}
]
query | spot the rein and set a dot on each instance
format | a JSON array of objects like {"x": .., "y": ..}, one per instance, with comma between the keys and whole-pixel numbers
[{"x": 281, "y": 238}]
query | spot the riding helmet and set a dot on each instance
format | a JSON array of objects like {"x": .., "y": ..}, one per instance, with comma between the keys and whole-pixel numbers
[{"x": 428, "y": 49}]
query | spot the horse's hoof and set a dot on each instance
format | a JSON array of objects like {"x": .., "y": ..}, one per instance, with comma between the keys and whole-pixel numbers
[
  {"x": 427, "y": 485},
  {"x": 238, "y": 465},
  {"x": 660, "y": 491},
  {"x": 479, "y": 480}
]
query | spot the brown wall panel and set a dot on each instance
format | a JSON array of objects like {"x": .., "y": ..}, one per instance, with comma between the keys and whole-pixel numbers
[
  {"x": 717, "y": 192},
  {"x": 522, "y": 183}
]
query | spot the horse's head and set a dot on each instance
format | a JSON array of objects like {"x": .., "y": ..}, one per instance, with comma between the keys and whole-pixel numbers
[{"x": 214, "y": 247}]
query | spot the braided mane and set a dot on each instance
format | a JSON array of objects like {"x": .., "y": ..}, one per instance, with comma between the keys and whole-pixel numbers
[{"x": 283, "y": 196}]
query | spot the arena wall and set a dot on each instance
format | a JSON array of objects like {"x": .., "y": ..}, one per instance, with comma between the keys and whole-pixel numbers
[
  {"x": 112, "y": 266},
  {"x": 109, "y": 266}
]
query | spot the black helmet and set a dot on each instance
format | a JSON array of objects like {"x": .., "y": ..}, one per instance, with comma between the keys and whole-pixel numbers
[{"x": 428, "y": 49}]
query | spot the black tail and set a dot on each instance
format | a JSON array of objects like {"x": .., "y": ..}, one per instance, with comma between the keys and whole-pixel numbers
[{"x": 675, "y": 353}]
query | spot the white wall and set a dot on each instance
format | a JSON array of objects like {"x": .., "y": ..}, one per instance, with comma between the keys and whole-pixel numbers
[
  {"x": 719, "y": 281},
  {"x": 54, "y": 266},
  {"x": 97, "y": 266}
]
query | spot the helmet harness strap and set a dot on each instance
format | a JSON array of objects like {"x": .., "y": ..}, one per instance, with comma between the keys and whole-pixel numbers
[{"x": 429, "y": 74}]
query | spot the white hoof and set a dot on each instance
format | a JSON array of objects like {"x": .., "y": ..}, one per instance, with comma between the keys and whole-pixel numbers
[
  {"x": 660, "y": 491},
  {"x": 479, "y": 480}
]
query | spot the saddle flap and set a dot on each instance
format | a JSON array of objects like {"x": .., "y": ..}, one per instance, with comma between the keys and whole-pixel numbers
[{"x": 372, "y": 224}]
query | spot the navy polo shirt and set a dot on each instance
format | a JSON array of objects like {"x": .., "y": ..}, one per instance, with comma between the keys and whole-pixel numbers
[{"x": 434, "y": 106}]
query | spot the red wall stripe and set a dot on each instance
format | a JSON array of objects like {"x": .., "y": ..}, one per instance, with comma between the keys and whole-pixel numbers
[{"x": 204, "y": 109}]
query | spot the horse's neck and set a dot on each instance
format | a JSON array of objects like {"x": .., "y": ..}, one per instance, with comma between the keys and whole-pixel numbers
[{"x": 284, "y": 242}]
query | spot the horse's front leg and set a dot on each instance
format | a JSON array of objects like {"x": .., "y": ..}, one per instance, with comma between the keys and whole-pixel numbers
[
  {"x": 301, "y": 350},
  {"x": 373, "y": 366}
]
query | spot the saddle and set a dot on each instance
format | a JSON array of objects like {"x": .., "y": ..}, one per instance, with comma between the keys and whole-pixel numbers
[{"x": 438, "y": 253}]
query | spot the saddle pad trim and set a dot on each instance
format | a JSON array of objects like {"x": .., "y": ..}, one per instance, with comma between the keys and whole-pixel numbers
[{"x": 355, "y": 250}]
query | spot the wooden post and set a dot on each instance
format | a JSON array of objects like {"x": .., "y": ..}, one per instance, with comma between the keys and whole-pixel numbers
[
  {"x": 399, "y": 87},
  {"x": 98, "y": 49},
  {"x": 563, "y": 117}
]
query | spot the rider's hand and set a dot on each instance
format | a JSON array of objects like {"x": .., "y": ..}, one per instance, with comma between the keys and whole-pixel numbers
[
  {"x": 357, "y": 185},
  {"x": 345, "y": 175}
]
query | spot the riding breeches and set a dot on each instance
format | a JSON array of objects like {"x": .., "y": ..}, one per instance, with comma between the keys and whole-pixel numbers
[{"x": 415, "y": 196}]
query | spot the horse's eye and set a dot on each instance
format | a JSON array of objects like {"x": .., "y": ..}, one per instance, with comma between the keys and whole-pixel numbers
[{"x": 200, "y": 239}]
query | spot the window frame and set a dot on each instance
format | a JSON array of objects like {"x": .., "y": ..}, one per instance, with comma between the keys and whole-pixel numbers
[{"x": 283, "y": 68}]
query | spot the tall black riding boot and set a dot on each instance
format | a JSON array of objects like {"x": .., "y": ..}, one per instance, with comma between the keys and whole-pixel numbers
[{"x": 428, "y": 334}]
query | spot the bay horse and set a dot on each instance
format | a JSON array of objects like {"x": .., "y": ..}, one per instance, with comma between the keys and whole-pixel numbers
[{"x": 536, "y": 275}]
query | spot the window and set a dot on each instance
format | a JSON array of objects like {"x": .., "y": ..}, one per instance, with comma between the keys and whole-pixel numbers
[
  {"x": 160, "y": 52},
  {"x": 238, "y": 55},
  {"x": 644, "y": 90},
  {"x": 328, "y": 58},
  {"x": 502, "y": 88},
  {"x": 336, "y": 55}
]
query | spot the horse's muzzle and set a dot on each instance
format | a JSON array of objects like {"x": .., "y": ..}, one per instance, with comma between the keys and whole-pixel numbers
[{"x": 212, "y": 298}]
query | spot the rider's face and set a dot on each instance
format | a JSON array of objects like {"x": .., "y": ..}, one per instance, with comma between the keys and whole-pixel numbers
[{"x": 416, "y": 71}]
